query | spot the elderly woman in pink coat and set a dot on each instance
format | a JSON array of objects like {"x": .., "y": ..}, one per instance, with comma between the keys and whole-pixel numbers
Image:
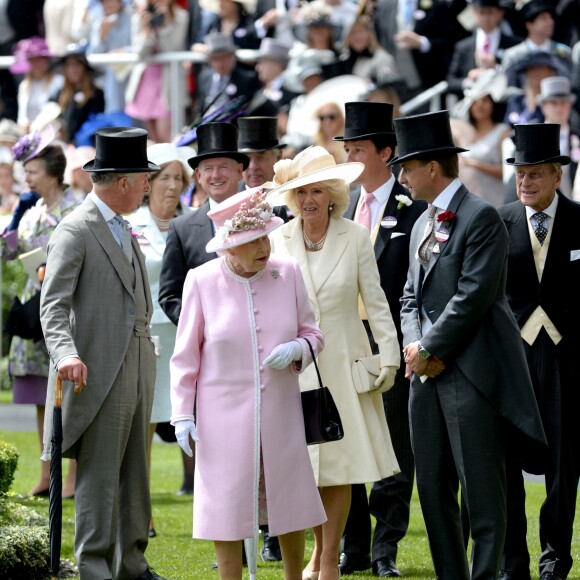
[{"x": 241, "y": 342}]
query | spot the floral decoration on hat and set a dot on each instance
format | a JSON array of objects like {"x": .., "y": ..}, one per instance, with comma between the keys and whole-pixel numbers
[{"x": 26, "y": 146}]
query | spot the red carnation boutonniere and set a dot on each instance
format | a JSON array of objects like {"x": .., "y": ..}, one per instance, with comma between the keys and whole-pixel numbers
[{"x": 446, "y": 217}]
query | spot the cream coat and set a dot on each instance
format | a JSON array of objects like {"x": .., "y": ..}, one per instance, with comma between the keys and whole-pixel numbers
[
  {"x": 227, "y": 327},
  {"x": 347, "y": 268}
]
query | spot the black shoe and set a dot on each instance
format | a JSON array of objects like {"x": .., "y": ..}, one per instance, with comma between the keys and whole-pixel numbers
[
  {"x": 152, "y": 533},
  {"x": 550, "y": 576},
  {"x": 185, "y": 490},
  {"x": 270, "y": 551},
  {"x": 385, "y": 568},
  {"x": 149, "y": 574},
  {"x": 350, "y": 563},
  {"x": 214, "y": 566}
]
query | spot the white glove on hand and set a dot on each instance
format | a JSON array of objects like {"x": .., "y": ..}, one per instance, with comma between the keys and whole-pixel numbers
[
  {"x": 386, "y": 378},
  {"x": 284, "y": 354},
  {"x": 183, "y": 430}
]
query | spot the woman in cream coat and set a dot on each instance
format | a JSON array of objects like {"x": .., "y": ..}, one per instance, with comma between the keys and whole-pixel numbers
[{"x": 338, "y": 264}]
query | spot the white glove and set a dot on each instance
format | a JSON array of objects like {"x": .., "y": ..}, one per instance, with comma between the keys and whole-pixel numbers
[
  {"x": 284, "y": 354},
  {"x": 386, "y": 378},
  {"x": 183, "y": 430}
]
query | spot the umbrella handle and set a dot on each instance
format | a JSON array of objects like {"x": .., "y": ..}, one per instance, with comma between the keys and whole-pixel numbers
[{"x": 58, "y": 396}]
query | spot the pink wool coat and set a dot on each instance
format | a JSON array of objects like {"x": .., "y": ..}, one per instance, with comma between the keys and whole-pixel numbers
[{"x": 227, "y": 327}]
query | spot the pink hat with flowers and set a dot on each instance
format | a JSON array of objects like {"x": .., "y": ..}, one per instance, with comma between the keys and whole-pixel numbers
[
  {"x": 32, "y": 144},
  {"x": 242, "y": 218},
  {"x": 26, "y": 49}
]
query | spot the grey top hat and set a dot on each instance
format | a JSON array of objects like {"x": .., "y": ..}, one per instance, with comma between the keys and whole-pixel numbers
[
  {"x": 218, "y": 140},
  {"x": 423, "y": 137},
  {"x": 272, "y": 49},
  {"x": 120, "y": 150},
  {"x": 537, "y": 143},
  {"x": 256, "y": 134},
  {"x": 556, "y": 88},
  {"x": 218, "y": 43}
]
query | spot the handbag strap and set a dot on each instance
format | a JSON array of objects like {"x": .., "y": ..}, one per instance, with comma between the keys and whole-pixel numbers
[{"x": 320, "y": 386}]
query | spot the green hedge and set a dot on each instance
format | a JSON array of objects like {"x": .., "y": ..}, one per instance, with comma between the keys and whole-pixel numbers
[
  {"x": 8, "y": 465},
  {"x": 24, "y": 553}
]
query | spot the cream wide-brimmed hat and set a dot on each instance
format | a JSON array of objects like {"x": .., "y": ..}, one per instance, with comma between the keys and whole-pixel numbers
[
  {"x": 161, "y": 153},
  {"x": 312, "y": 165},
  {"x": 242, "y": 218}
]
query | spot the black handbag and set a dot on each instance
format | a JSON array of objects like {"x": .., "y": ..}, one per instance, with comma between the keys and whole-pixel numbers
[
  {"x": 24, "y": 319},
  {"x": 321, "y": 419}
]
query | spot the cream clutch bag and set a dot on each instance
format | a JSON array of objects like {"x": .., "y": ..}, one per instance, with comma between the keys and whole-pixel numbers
[{"x": 365, "y": 372}]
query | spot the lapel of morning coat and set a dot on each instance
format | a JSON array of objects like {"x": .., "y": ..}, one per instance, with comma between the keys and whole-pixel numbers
[
  {"x": 98, "y": 226},
  {"x": 453, "y": 206},
  {"x": 384, "y": 234}
]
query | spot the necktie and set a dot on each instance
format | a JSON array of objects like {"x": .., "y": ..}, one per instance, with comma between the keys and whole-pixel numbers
[
  {"x": 364, "y": 214},
  {"x": 486, "y": 45},
  {"x": 428, "y": 235},
  {"x": 539, "y": 229},
  {"x": 123, "y": 236}
]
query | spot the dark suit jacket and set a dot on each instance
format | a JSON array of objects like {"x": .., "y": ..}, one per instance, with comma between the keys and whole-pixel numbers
[
  {"x": 474, "y": 331},
  {"x": 560, "y": 286},
  {"x": 392, "y": 250},
  {"x": 185, "y": 249},
  {"x": 246, "y": 83},
  {"x": 464, "y": 59}
]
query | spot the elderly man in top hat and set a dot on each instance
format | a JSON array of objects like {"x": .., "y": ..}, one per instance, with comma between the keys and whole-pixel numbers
[
  {"x": 258, "y": 139},
  {"x": 381, "y": 204},
  {"x": 482, "y": 50},
  {"x": 95, "y": 313},
  {"x": 223, "y": 79},
  {"x": 471, "y": 394},
  {"x": 543, "y": 284}
]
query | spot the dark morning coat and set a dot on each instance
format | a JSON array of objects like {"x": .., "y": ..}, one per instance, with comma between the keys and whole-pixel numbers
[{"x": 474, "y": 330}]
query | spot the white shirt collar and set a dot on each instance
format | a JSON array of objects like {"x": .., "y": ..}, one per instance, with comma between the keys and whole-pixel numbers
[
  {"x": 107, "y": 213},
  {"x": 494, "y": 37},
  {"x": 532, "y": 46},
  {"x": 443, "y": 200},
  {"x": 382, "y": 192},
  {"x": 550, "y": 211}
]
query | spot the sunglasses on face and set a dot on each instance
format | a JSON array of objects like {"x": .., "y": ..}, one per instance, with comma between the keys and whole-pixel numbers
[{"x": 329, "y": 117}]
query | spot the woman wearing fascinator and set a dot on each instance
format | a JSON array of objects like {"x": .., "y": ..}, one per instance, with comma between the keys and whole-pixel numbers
[
  {"x": 242, "y": 341},
  {"x": 34, "y": 220},
  {"x": 342, "y": 279}
]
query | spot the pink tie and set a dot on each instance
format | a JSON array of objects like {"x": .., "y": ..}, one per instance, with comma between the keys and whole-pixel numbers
[
  {"x": 486, "y": 45},
  {"x": 364, "y": 214}
]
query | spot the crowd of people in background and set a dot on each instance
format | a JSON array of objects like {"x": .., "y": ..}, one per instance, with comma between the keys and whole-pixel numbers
[{"x": 300, "y": 104}]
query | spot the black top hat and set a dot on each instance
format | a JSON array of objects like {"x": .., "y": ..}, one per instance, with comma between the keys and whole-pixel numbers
[
  {"x": 258, "y": 134},
  {"x": 537, "y": 143},
  {"x": 424, "y": 136},
  {"x": 367, "y": 120},
  {"x": 218, "y": 140},
  {"x": 529, "y": 10},
  {"x": 120, "y": 150}
]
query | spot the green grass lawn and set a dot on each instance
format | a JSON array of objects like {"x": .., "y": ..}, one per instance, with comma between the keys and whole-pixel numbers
[{"x": 175, "y": 555}]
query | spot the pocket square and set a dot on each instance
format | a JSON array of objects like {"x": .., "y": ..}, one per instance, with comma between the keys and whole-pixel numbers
[
  {"x": 397, "y": 234},
  {"x": 574, "y": 255}
]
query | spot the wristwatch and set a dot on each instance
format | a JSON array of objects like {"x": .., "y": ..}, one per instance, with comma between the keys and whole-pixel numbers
[{"x": 424, "y": 354}]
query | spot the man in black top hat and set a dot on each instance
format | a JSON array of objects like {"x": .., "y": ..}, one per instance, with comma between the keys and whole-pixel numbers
[
  {"x": 95, "y": 311},
  {"x": 538, "y": 16},
  {"x": 258, "y": 139},
  {"x": 471, "y": 394},
  {"x": 543, "y": 284},
  {"x": 218, "y": 169},
  {"x": 369, "y": 138},
  {"x": 482, "y": 50}
]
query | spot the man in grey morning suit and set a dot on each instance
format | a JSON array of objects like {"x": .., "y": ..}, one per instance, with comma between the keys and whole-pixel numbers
[
  {"x": 471, "y": 393},
  {"x": 95, "y": 313}
]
